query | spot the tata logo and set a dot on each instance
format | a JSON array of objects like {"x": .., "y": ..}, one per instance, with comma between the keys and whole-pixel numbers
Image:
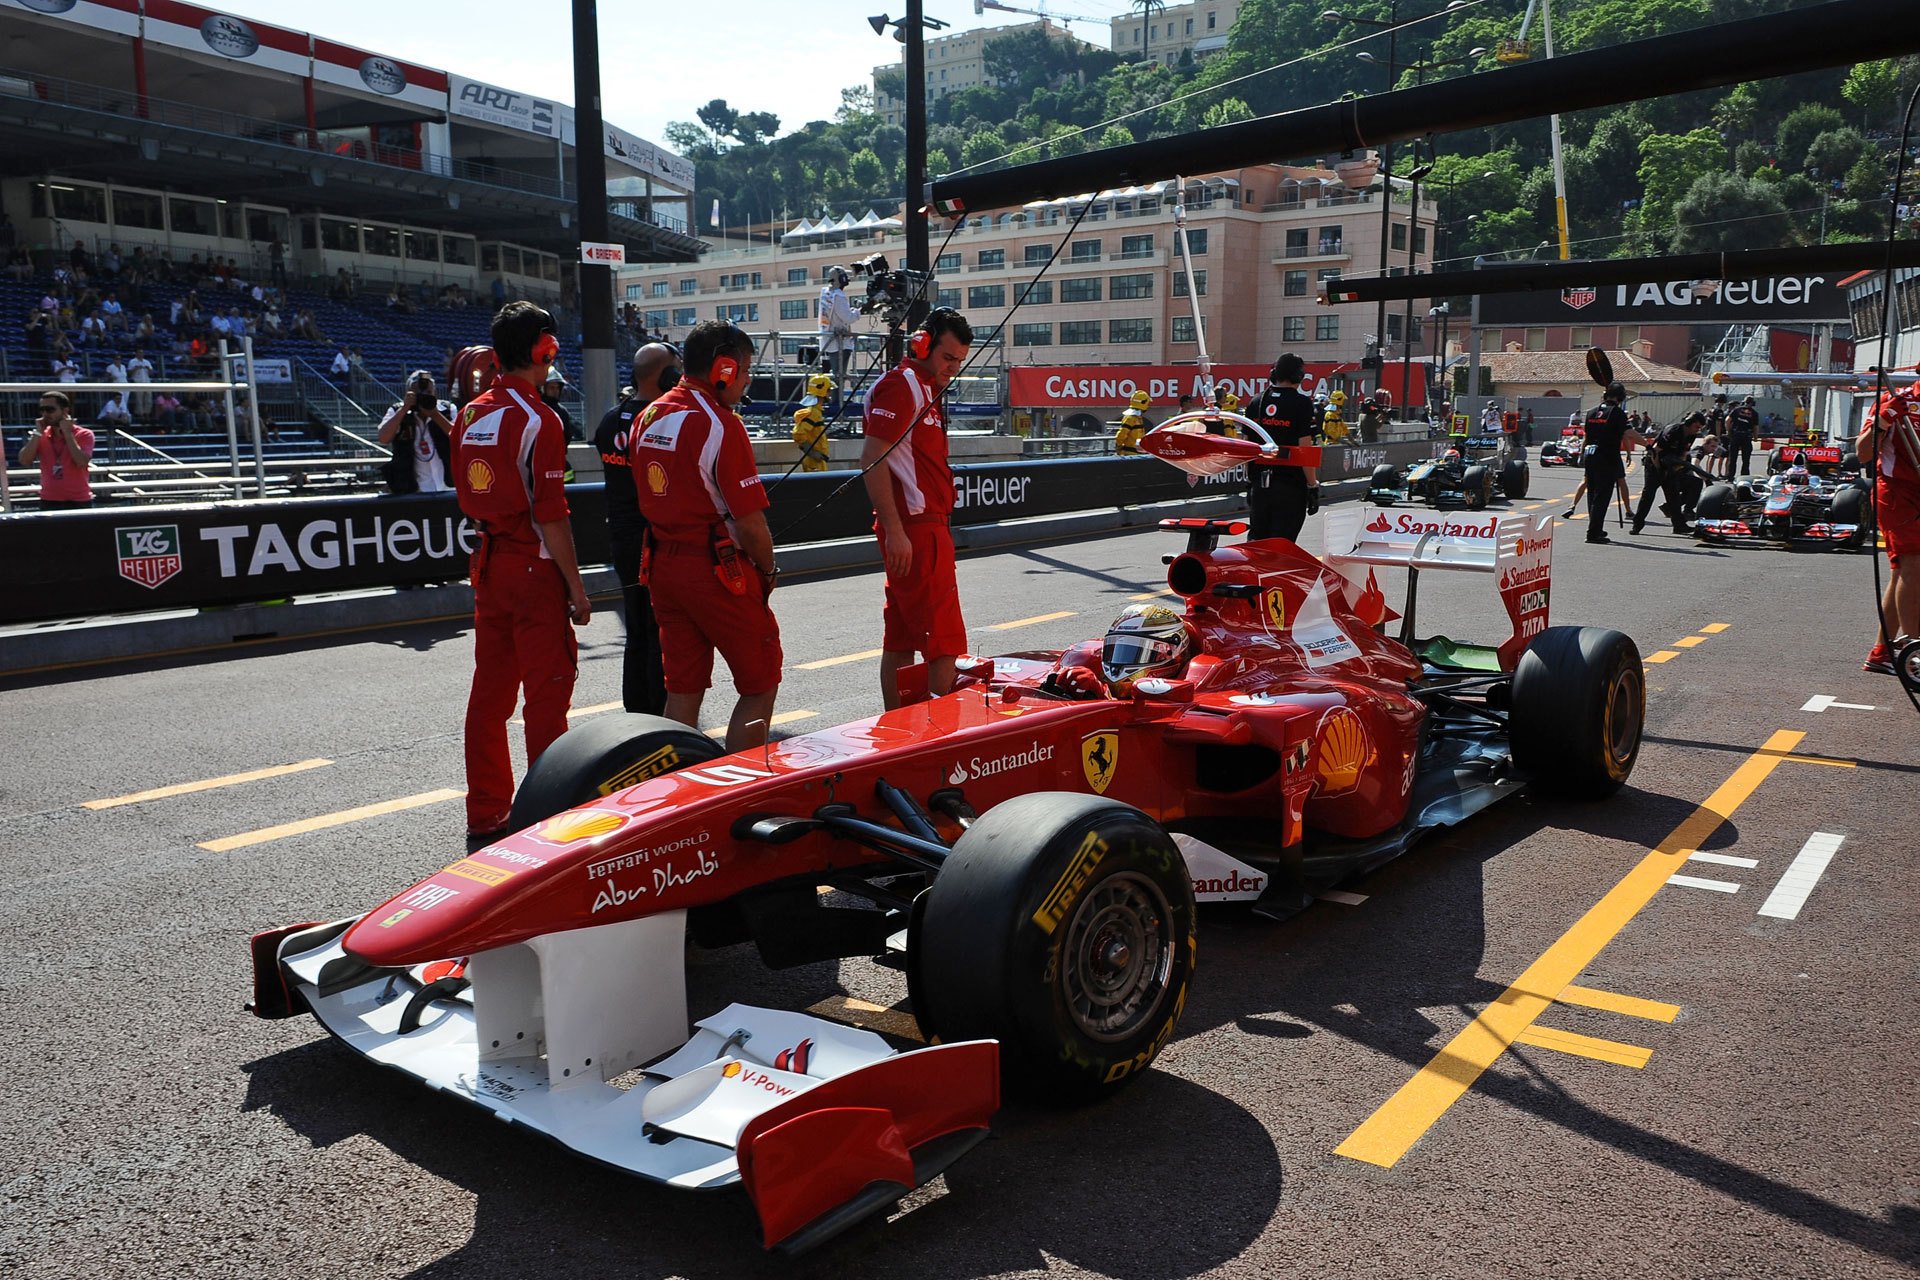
[
  {"x": 229, "y": 37},
  {"x": 149, "y": 555},
  {"x": 1579, "y": 298},
  {"x": 383, "y": 75}
]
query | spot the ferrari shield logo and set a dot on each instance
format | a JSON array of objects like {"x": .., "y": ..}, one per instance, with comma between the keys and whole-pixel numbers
[
  {"x": 1579, "y": 298},
  {"x": 150, "y": 555},
  {"x": 1099, "y": 757},
  {"x": 1273, "y": 602}
]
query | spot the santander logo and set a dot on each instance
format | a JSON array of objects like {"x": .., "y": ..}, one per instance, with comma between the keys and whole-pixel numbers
[
  {"x": 1408, "y": 524},
  {"x": 1232, "y": 882}
]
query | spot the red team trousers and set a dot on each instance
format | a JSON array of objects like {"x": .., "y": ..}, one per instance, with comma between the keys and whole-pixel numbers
[{"x": 522, "y": 639}]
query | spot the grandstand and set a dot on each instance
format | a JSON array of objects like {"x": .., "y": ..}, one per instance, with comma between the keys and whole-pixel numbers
[{"x": 212, "y": 165}]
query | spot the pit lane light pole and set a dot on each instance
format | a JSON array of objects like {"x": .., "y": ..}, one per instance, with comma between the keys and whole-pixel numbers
[
  {"x": 1391, "y": 25},
  {"x": 911, "y": 31},
  {"x": 1444, "y": 312},
  {"x": 590, "y": 184}
]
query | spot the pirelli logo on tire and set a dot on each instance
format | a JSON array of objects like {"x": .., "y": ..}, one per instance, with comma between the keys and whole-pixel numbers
[
  {"x": 665, "y": 760},
  {"x": 1066, "y": 890}
]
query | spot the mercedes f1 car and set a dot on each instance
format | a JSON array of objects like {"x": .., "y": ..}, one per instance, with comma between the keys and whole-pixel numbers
[
  {"x": 1818, "y": 498},
  {"x": 1029, "y": 849},
  {"x": 1466, "y": 473}
]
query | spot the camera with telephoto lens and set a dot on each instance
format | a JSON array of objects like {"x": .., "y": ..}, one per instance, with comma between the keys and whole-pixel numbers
[{"x": 890, "y": 292}]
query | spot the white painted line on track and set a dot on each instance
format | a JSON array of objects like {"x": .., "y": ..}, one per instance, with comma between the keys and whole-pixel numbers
[
  {"x": 1722, "y": 859},
  {"x": 1344, "y": 898},
  {"x": 1699, "y": 882},
  {"x": 1827, "y": 702},
  {"x": 1802, "y": 874}
]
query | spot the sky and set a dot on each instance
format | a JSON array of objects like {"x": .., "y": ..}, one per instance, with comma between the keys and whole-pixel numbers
[{"x": 658, "y": 61}]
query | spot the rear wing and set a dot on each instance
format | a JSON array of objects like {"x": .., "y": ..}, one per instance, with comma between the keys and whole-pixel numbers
[{"x": 1517, "y": 549}]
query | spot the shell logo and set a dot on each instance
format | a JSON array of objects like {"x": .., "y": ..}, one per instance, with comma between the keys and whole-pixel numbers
[
  {"x": 731, "y": 1070},
  {"x": 656, "y": 479},
  {"x": 583, "y": 824},
  {"x": 479, "y": 476},
  {"x": 1345, "y": 749}
]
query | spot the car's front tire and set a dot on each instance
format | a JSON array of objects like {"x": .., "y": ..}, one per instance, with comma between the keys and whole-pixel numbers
[{"x": 606, "y": 754}]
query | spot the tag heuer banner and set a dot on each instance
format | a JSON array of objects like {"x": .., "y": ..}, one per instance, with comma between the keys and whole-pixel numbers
[{"x": 1771, "y": 300}]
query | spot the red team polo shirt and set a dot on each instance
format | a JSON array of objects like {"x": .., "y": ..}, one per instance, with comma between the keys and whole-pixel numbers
[
  {"x": 922, "y": 480},
  {"x": 693, "y": 466},
  {"x": 509, "y": 463}
]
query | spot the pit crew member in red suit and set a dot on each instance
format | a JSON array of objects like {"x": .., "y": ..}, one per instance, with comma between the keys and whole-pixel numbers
[
  {"x": 709, "y": 553},
  {"x": 911, "y": 486},
  {"x": 509, "y": 454},
  {"x": 1890, "y": 445}
]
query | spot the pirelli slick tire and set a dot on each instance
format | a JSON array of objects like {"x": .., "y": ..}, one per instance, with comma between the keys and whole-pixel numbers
[
  {"x": 1515, "y": 478},
  {"x": 606, "y": 754},
  {"x": 1716, "y": 502},
  {"x": 1579, "y": 705},
  {"x": 1385, "y": 476},
  {"x": 1062, "y": 926},
  {"x": 1476, "y": 485},
  {"x": 1850, "y": 507}
]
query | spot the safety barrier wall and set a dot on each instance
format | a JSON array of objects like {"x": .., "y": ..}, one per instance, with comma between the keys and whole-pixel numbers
[{"x": 128, "y": 559}]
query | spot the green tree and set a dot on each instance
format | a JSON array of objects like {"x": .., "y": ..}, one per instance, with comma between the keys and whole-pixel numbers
[
  {"x": 1797, "y": 132},
  {"x": 866, "y": 171},
  {"x": 1065, "y": 140},
  {"x": 1670, "y": 165},
  {"x": 1724, "y": 211},
  {"x": 1116, "y": 135},
  {"x": 1834, "y": 153},
  {"x": 982, "y": 147},
  {"x": 1226, "y": 111},
  {"x": 720, "y": 119},
  {"x": 1873, "y": 88}
]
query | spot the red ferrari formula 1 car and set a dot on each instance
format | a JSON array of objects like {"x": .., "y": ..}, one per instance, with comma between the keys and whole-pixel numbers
[{"x": 1028, "y": 848}]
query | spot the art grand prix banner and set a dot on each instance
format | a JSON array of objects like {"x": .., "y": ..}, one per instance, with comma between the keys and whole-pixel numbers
[
  {"x": 1088, "y": 386},
  {"x": 1805, "y": 299}
]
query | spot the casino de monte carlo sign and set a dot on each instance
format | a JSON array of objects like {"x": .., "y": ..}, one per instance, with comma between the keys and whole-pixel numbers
[{"x": 1802, "y": 299}]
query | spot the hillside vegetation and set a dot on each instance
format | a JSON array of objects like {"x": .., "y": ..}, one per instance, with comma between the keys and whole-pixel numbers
[{"x": 1766, "y": 163}]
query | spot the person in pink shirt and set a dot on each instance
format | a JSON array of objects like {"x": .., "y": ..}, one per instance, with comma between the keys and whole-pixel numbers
[{"x": 63, "y": 448}]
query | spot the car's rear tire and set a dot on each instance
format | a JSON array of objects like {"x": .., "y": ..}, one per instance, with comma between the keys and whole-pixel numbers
[
  {"x": 1476, "y": 484},
  {"x": 1515, "y": 478},
  {"x": 1579, "y": 705},
  {"x": 1850, "y": 507},
  {"x": 606, "y": 754},
  {"x": 1062, "y": 926}
]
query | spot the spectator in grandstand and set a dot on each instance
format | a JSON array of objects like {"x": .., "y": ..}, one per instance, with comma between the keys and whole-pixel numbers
[
  {"x": 34, "y": 335},
  {"x": 222, "y": 326},
  {"x": 341, "y": 365},
  {"x": 114, "y": 414},
  {"x": 277, "y": 262},
  {"x": 78, "y": 259},
  {"x": 305, "y": 327},
  {"x": 342, "y": 290},
  {"x": 110, "y": 263},
  {"x": 112, "y": 312},
  {"x": 143, "y": 333},
  {"x": 20, "y": 266},
  {"x": 419, "y": 430},
  {"x": 63, "y": 448},
  {"x": 116, "y": 369},
  {"x": 65, "y": 370},
  {"x": 236, "y": 323},
  {"x": 166, "y": 411},
  {"x": 140, "y": 370},
  {"x": 270, "y": 322},
  {"x": 93, "y": 330}
]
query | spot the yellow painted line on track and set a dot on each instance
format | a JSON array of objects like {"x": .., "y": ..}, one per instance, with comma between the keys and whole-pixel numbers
[
  {"x": 325, "y": 820},
  {"x": 1827, "y": 760},
  {"x": 576, "y": 713},
  {"x": 1614, "y": 1002},
  {"x": 1715, "y": 628},
  {"x": 1152, "y": 595},
  {"x": 784, "y": 717},
  {"x": 1418, "y": 1105},
  {"x": 1626, "y": 1055},
  {"x": 188, "y": 788},
  {"x": 818, "y": 663},
  {"x": 1688, "y": 642},
  {"x": 1664, "y": 655},
  {"x": 1028, "y": 622}
]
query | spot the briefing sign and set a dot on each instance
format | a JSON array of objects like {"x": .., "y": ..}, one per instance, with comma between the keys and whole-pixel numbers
[{"x": 1803, "y": 299}]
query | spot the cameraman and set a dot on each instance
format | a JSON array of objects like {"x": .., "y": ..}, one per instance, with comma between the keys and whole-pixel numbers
[
  {"x": 836, "y": 326},
  {"x": 419, "y": 430}
]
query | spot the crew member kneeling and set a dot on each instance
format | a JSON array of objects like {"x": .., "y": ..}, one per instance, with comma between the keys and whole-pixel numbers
[
  {"x": 509, "y": 453},
  {"x": 709, "y": 557},
  {"x": 912, "y": 501}
]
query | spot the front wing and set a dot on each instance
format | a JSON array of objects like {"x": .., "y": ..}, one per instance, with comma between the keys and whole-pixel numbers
[{"x": 824, "y": 1123}]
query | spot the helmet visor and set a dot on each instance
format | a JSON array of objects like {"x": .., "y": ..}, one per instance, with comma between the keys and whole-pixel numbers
[{"x": 1126, "y": 654}]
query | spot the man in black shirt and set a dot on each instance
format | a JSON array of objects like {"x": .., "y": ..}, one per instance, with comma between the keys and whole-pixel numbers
[
  {"x": 1280, "y": 498},
  {"x": 1607, "y": 435},
  {"x": 1742, "y": 423},
  {"x": 1666, "y": 472},
  {"x": 655, "y": 370}
]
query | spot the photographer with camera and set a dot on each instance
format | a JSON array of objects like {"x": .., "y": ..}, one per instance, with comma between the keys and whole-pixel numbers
[
  {"x": 419, "y": 430},
  {"x": 836, "y": 326}
]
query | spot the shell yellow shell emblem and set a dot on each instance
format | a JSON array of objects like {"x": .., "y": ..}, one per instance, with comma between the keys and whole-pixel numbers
[
  {"x": 1099, "y": 758},
  {"x": 656, "y": 479},
  {"x": 583, "y": 824},
  {"x": 479, "y": 476},
  {"x": 1273, "y": 602},
  {"x": 731, "y": 1070},
  {"x": 1345, "y": 749}
]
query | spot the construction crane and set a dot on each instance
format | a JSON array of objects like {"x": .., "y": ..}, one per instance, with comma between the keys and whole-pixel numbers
[{"x": 1039, "y": 10}]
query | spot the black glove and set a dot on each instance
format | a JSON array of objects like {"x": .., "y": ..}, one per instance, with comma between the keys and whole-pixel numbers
[{"x": 1313, "y": 499}]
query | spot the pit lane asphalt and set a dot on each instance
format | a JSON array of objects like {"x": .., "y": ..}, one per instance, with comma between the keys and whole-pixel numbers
[{"x": 150, "y": 1128}]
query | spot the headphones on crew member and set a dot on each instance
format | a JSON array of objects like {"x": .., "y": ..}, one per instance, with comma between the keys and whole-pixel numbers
[{"x": 920, "y": 341}]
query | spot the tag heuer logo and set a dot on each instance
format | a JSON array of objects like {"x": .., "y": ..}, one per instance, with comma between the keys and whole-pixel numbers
[
  {"x": 149, "y": 555},
  {"x": 1578, "y": 298}
]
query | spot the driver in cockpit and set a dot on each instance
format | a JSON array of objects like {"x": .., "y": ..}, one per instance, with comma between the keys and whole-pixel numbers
[{"x": 1146, "y": 640}]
